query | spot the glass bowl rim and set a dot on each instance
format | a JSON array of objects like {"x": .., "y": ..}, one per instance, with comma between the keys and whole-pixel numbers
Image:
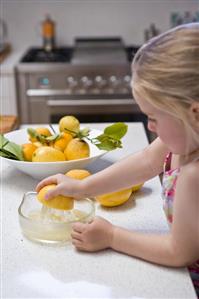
[{"x": 90, "y": 200}]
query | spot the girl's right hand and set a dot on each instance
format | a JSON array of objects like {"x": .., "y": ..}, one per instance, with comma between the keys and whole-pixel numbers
[{"x": 65, "y": 186}]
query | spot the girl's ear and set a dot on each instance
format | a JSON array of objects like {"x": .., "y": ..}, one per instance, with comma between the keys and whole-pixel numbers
[{"x": 194, "y": 113}]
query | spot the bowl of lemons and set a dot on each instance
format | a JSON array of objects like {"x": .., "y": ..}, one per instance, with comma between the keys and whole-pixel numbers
[{"x": 47, "y": 150}]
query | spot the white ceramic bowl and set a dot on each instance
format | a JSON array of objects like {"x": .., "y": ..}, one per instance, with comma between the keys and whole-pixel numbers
[{"x": 40, "y": 170}]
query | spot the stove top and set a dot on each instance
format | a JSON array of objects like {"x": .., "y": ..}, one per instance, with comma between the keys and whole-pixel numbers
[
  {"x": 100, "y": 50},
  {"x": 63, "y": 54}
]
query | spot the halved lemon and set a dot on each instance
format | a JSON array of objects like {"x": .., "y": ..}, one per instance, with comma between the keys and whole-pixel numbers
[
  {"x": 59, "y": 202},
  {"x": 115, "y": 198}
]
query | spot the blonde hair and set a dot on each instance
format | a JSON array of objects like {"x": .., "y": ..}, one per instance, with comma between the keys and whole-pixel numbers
[{"x": 166, "y": 72}]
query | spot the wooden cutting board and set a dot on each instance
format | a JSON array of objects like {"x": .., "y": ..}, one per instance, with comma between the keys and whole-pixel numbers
[
  {"x": 5, "y": 52},
  {"x": 8, "y": 123}
]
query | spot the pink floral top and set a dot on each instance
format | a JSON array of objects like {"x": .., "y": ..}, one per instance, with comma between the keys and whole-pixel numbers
[{"x": 169, "y": 181}]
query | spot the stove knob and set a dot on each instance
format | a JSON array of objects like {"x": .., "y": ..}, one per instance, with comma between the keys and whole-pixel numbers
[
  {"x": 114, "y": 81},
  {"x": 86, "y": 82},
  {"x": 127, "y": 80},
  {"x": 100, "y": 81},
  {"x": 71, "y": 82}
]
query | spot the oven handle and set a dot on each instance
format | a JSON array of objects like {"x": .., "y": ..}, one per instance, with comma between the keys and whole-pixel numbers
[
  {"x": 95, "y": 102},
  {"x": 83, "y": 102},
  {"x": 46, "y": 92}
]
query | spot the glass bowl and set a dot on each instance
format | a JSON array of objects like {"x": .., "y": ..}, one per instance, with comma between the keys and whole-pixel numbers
[{"x": 51, "y": 226}]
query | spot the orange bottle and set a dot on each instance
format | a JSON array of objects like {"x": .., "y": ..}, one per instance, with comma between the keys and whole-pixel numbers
[{"x": 48, "y": 33}]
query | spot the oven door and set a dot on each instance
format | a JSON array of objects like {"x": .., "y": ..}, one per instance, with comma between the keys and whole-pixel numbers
[{"x": 49, "y": 109}]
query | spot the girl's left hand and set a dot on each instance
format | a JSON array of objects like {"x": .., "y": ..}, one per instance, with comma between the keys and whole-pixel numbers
[{"x": 93, "y": 236}]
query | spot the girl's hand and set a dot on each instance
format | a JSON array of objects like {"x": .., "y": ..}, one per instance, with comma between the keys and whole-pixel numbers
[
  {"x": 65, "y": 186},
  {"x": 93, "y": 236}
]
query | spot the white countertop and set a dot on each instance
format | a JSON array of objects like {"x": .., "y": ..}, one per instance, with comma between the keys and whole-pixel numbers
[{"x": 30, "y": 270}]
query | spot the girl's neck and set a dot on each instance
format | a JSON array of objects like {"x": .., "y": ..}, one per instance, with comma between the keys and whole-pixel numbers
[{"x": 192, "y": 156}]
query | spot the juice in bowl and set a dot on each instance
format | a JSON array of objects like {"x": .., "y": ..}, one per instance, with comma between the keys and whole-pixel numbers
[
  {"x": 50, "y": 221},
  {"x": 51, "y": 226}
]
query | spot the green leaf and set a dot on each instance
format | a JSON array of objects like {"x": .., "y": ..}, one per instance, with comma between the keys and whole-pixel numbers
[
  {"x": 84, "y": 132},
  {"x": 3, "y": 141},
  {"x": 53, "y": 137},
  {"x": 10, "y": 149},
  {"x": 33, "y": 133},
  {"x": 110, "y": 139},
  {"x": 116, "y": 131},
  {"x": 106, "y": 145}
]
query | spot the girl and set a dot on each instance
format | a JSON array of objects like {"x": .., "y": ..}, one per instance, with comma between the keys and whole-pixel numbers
[{"x": 165, "y": 85}]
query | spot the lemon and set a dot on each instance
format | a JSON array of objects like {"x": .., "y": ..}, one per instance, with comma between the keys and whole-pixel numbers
[
  {"x": 37, "y": 144},
  {"x": 42, "y": 131},
  {"x": 63, "y": 141},
  {"x": 136, "y": 187},
  {"x": 70, "y": 123},
  {"x": 77, "y": 149},
  {"x": 47, "y": 154},
  {"x": 59, "y": 202},
  {"x": 78, "y": 174},
  {"x": 114, "y": 199},
  {"x": 28, "y": 150}
]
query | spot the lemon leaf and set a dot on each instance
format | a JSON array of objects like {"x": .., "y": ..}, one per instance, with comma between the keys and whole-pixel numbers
[
  {"x": 116, "y": 131},
  {"x": 83, "y": 133},
  {"x": 33, "y": 133},
  {"x": 10, "y": 149},
  {"x": 107, "y": 143},
  {"x": 53, "y": 137},
  {"x": 110, "y": 139}
]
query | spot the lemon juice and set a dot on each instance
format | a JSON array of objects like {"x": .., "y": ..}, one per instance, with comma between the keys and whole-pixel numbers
[
  {"x": 47, "y": 225},
  {"x": 57, "y": 224}
]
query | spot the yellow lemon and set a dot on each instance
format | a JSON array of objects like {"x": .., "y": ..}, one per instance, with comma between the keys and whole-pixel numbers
[
  {"x": 78, "y": 174},
  {"x": 77, "y": 149},
  {"x": 114, "y": 199},
  {"x": 42, "y": 131},
  {"x": 28, "y": 150},
  {"x": 47, "y": 154},
  {"x": 37, "y": 144},
  {"x": 59, "y": 202},
  {"x": 137, "y": 187},
  {"x": 63, "y": 141},
  {"x": 70, "y": 123}
]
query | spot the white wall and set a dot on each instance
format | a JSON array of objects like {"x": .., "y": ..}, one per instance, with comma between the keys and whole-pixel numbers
[{"x": 126, "y": 18}]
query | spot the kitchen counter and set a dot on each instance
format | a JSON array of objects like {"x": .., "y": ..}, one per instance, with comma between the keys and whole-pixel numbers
[
  {"x": 31, "y": 270},
  {"x": 8, "y": 65}
]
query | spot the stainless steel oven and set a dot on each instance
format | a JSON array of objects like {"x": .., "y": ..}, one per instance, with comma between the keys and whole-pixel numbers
[{"x": 90, "y": 80}]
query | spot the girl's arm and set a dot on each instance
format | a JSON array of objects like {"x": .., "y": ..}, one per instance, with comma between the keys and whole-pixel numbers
[
  {"x": 132, "y": 170},
  {"x": 181, "y": 246},
  {"x": 178, "y": 248}
]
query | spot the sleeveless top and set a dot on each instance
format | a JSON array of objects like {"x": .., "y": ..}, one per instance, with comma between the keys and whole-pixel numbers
[{"x": 169, "y": 181}]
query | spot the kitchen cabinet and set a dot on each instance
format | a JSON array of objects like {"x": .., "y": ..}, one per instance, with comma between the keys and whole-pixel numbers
[
  {"x": 8, "y": 94},
  {"x": 8, "y": 99}
]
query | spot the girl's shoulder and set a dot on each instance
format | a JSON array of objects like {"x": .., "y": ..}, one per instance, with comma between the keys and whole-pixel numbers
[
  {"x": 191, "y": 169},
  {"x": 189, "y": 177}
]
